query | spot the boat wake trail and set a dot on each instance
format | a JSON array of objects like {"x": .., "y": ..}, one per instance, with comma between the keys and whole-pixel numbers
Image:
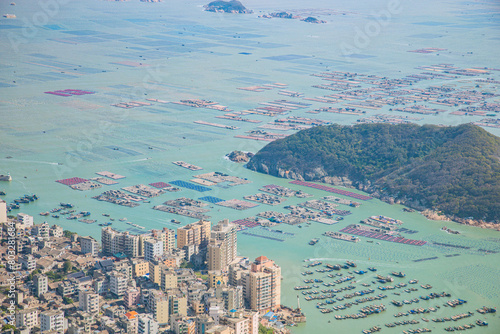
[{"x": 35, "y": 162}]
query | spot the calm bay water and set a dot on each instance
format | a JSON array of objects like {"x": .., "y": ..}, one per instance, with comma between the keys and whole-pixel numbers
[{"x": 181, "y": 52}]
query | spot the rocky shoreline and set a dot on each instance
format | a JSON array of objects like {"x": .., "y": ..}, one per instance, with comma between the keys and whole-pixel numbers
[{"x": 320, "y": 176}]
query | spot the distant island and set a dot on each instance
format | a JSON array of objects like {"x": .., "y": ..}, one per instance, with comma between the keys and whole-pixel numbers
[
  {"x": 232, "y": 6},
  {"x": 311, "y": 19},
  {"x": 288, "y": 15},
  {"x": 281, "y": 15},
  {"x": 450, "y": 170}
]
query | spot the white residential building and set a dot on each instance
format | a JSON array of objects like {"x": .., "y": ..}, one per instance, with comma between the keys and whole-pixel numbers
[
  {"x": 152, "y": 249},
  {"x": 41, "y": 283},
  {"x": 28, "y": 262},
  {"x": 88, "y": 301},
  {"x": 146, "y": 324},
  {"x": 27, "y": 318},
  {"x": 52, "y": 321},
  {"x": 89, "y": 245},
  {"x": 118, "y": 284},
  {"x": 25, "y": 219}
]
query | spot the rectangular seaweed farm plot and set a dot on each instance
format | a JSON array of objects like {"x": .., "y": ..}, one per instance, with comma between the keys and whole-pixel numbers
[
  {"x": 237, "y": 204},
  {"x": 160, "y": 185},
  {"x": 111, "y": 175},
  {"x": 71, "y": 181},
  {"x": 189, "y": 185},
  {"x": 211, "y": 199}
]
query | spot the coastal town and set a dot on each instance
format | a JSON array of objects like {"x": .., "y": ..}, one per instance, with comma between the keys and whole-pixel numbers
[{"x": 188, "y": 280}]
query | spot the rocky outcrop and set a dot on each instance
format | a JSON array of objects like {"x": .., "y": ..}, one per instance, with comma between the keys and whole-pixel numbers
[{"x": 239, "y": 156}]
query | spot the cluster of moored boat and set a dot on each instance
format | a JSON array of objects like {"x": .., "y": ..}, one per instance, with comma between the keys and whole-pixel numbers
[
  {"x": 397, "y": 286},
  {"x": 485, "y": 309},
  {"x": 433, "y": 295},
  {"x": 21, "y": 200},
  {"x": 326, "y": 297},
  {"x": 374, "y": 329},
  {"x": 420, "y": 310},
  {"x": 417, "y": 330},
  {"x": 346, "y": 305},
  {"x": 364, "y": 312},
  {"x": 402, "y": 323},
  {"x": 479, "y": 322},
  {"x": 455, "y": 317},
  {"x": 455, "y": 302},
  {"x": 406, "y": 301}
]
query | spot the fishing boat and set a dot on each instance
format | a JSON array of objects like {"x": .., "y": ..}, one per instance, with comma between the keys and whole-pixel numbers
[
  {"x": 351, "y": 264},
  {"x": 398, "y": 274},
  {"x": 313, "y": 241}
]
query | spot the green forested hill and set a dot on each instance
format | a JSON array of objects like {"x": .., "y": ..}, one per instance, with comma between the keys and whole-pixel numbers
[{"x": 452, "y": 169}]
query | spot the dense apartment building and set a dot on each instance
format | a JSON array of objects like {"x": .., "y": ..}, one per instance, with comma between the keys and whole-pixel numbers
[
  {"x": 27, "y": 318},
  {"x": 40, "y": 284},
  {"x": 52, "y": 320},
  {"x": 153, "y": 249},
  {"x": 118, "y": 284},
  {"x": 167, "y": 236},
  {"x": 89, "y": 245},
  {"x": 222, "y": 247},
  {"x": 194, "y": 234},
  {"x": 263, "y": 285},
  {"x": 146, "y": 324},
  {"x": 88, "y": 301},
  {"x": 114, "y": 242}
]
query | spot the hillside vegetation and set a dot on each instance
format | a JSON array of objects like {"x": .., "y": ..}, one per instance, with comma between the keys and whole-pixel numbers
[{"x": 452, "y": 169}]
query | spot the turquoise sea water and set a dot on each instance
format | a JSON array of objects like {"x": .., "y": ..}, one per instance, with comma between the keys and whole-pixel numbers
[{"x": 187, "y": 53}]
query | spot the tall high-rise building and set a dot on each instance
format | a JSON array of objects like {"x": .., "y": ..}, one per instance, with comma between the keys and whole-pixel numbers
[
  {"x": 111, "y": 241},
  {"x": 41, "y": 284},
  {"x": 88, "y": 301},
  {"x": 263, "y": 285},
  {"x": 177, "y": 304},
  {"x": 132, "y": 246},
  {"x": 194, "y": 234},
  {"x": 157, "y": 304},
  {"x": 167, "y": 236},
  {"x": 153, "y": 248},
  {"x": 52, "y": 321},
  {"x": 232, "y": 297},
  {"x": 223, "y": 245},
  {"x": 114, "y": 242},
  {"x": 89, "y": 245},
  {"x": 3, "y": 211}
]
